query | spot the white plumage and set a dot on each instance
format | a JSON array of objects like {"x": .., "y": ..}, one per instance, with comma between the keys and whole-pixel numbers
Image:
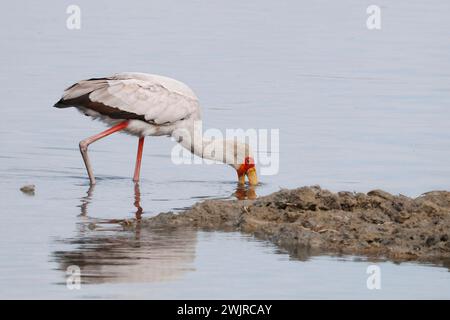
[
  {"x": 163, "y": 102},
  {"x": 145, "y": 105}
]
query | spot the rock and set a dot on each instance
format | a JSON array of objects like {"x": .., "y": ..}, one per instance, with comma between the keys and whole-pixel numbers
[
  {"x": 28, "y": 189},
  {"x": 375, "y": 224},
  {"x": 431, "y": 241},
  {"x": 380, "y": 193}
]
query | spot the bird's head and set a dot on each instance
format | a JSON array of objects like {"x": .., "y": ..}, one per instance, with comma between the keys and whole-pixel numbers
[
  {"x": 244, "y": 163},
  {"x": 247, "y": 169},
  {"x": 233, "y": 152}
]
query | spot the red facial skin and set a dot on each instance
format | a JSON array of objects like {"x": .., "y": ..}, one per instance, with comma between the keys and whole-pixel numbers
[{"x": 249, "y": 163}]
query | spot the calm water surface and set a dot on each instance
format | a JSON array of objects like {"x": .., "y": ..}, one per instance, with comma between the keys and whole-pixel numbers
[{"x": 356, "y": 109}]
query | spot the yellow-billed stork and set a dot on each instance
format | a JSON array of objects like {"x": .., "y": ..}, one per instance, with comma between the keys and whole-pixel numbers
[{"x": 151, "y": 105}]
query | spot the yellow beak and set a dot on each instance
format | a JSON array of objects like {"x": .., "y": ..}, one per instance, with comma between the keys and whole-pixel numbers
[{"x": 251, "y": 175}]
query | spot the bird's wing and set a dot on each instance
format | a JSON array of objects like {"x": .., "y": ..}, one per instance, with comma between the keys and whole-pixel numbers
[{"x": 128, "y": 97}]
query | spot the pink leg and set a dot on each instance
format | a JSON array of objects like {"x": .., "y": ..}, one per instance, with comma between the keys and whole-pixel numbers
[
  {"x": 84, "y": 144},
  {"x": 137, "y": 168}
]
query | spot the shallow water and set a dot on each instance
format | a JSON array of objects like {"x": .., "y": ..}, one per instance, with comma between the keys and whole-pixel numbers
[{"x": 356, "y": 109}]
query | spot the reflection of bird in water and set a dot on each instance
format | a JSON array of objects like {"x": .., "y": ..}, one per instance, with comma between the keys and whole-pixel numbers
[
  {"x": 88, "y": 198},
  {"x": 131, "y": 255},
  {"x": 151, "y": 105},
  {"x": 243, "y": 193},
  {"x": 137, "y": 201},
  {"x": 122, "y": 255}
]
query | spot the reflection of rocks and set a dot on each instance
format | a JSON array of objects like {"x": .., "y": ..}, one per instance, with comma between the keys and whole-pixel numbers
[
  {"x": 107, "y": 253},
  {"x": 125, "y": 256},
  {"x": 374, "y": 224}
]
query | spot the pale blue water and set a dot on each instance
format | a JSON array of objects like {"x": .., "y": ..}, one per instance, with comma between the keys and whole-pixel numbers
[{"x": 356, "y": 109}]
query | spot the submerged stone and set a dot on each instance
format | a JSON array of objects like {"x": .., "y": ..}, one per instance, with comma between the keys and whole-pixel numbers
[{"x": 28, "y": 189}]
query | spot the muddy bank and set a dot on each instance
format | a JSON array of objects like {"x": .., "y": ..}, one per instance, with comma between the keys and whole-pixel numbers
[{"x": 374, "y": 224}]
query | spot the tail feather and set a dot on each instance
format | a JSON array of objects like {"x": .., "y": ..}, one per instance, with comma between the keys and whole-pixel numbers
[
  {"x": 78, "y": 90},
  {"x": 61, "y": 104}
]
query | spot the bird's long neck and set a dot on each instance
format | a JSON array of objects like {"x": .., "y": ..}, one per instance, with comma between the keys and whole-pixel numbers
[{"x": 192, "y": 139}]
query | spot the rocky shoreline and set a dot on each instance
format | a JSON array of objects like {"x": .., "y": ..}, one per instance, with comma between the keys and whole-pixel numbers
[{"x": 311, "y": 219}]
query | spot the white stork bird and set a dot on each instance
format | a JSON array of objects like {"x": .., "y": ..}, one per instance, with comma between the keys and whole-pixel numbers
[{"x": 152, "y": 105}]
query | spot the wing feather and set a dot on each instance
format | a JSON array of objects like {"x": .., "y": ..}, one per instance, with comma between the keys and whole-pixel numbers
[{"x": 153, "y": 98}]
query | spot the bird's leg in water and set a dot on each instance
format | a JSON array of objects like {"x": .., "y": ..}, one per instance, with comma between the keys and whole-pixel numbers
[
  {"x": 137, "y": 168},
  {"x": 84, "y": 144}
]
